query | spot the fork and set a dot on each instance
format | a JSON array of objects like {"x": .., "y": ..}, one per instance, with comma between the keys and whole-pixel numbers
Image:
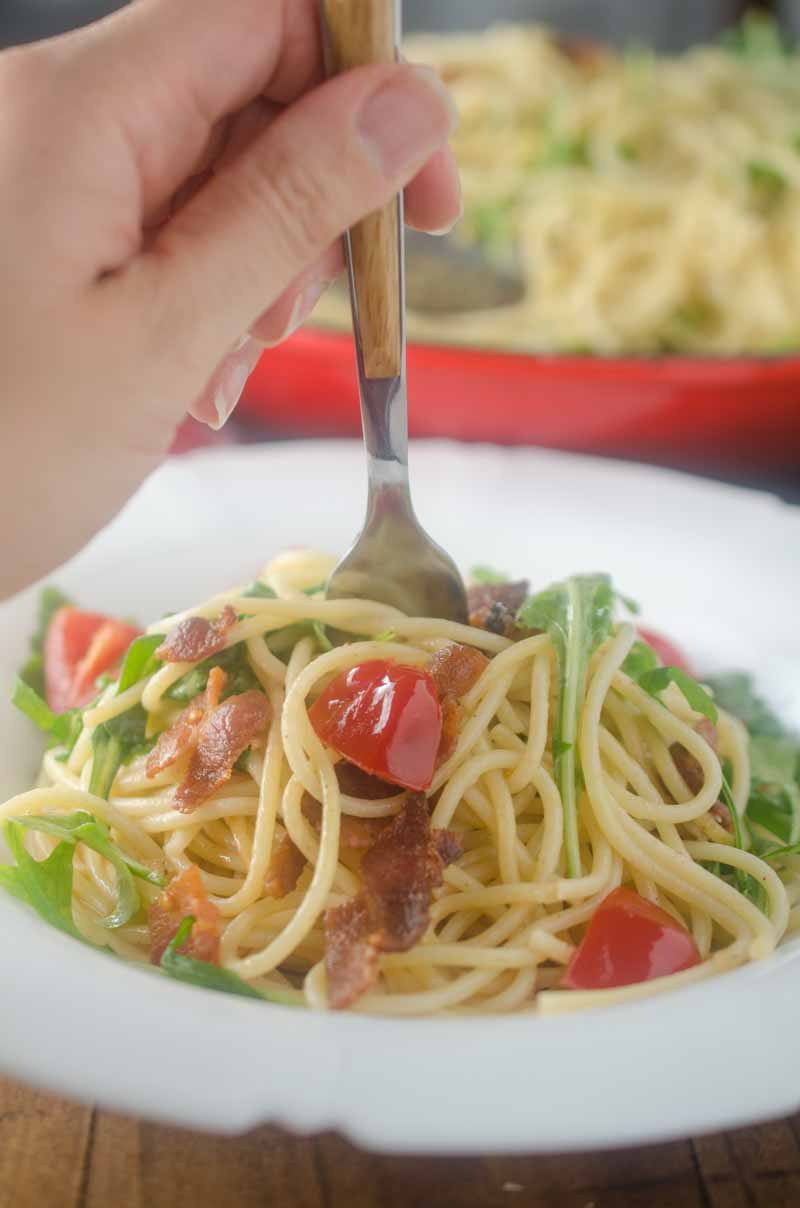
[{"x": 393, "y": 559}]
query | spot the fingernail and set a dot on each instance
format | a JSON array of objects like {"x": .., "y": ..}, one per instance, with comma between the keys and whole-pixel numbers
[
  {"x": 407, "y": 119},
  {"x": 304, "y": 304},
  {"x": 218, "y": 401}
]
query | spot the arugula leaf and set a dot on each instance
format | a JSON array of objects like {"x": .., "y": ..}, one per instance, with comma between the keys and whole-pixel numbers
[
  {"x": 140, "y": 661},
  {"x": 210, "y": 977},
  {"x": 564, "y": 152},
  {"x": 577, "y": 614},
  {"x": 283, "y": 641},
  {"x": 321, "y": 635},
  {"x": 767, "y": 182},
  {"x": 659, "y": 678},
  {"x": 493, "y": 222},
  {"x": 485, "y": 574},
  {"x": 734, "y": 692},
  {"x": 64, "y": 729},
  {"x": 233, "y": 662},
  {"x": 259, "y": 591},
  {"x": 113, "y": 743},
  {"x": 756, "y": 37},
  {"x": 50, "y": 600},
  {"x": 641, "y": 658},
  {"x": 747, "y": 885},
  {"x": 82, "y": 827},
  {"x": 46, "y": 885}
]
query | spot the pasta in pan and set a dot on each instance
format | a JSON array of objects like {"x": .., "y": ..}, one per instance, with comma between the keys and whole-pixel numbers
[
  {"x": 423, "y": 818},
  {"x": 651, "y": 203}
]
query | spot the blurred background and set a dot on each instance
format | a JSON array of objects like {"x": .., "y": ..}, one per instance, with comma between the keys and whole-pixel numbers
[{"x": 626, "y": 280}]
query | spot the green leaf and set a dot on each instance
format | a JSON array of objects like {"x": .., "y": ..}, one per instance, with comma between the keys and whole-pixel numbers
[
  {"x": 757, "y": 37},
  {"x": 697, "y": 698},
  {"x": 64, "y": 729},
  {"x": 116, "y": 742},
  {"x": 210, "y": 977},
  {"x": 641, "y": 658},
  {"x": 283, "y": 641},
  {"x": 774, "y": 758},
  {"x": 50, "y": 600},
  {"x": 628, "y": 150},
  {"x": 321, "y": 635},
  {"x": 83, "y": 827},
  {"x": 564, "y": 152},
  {"x": 233, "y": 662},
  {"x": 747, "y": 885},
  {"x": 492, "y": 222},
  {"x": 46, "y": 885},
  {"x": 734, "y": 691},
  {"x": 767, "y": 182},
  {"x": 485, "y": 574},
  {"x": 388, "y": 635},
  {"x": 259, "y": 591},
  {"x": 28, "y": 701},
  {"x": 577, "y": 614},
  {"x": 140, "y": 661}
]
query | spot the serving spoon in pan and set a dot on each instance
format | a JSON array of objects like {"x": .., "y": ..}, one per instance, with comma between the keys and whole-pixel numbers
[{"x": 393, "y": 559}]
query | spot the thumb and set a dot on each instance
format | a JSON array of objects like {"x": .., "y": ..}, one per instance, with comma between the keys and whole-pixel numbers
[{"x": 337, "y": 154}]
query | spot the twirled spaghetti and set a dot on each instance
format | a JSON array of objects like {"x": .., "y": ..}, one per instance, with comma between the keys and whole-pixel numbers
[{"x": 509, "y": 912}]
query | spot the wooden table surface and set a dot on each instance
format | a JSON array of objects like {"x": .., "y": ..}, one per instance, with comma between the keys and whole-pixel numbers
[{"x": 55, "y": 1154}]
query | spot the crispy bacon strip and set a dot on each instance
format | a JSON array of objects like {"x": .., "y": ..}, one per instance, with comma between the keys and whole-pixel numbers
[
  {"x": 181, "y": 737},
  {"x": 355, "y": 834},
  {"x": 185, "y": 895},
  {"x": 284, "y": 870},
  {"x": 392, "y": 912},
  {"x": 692, "y": 773},
  {"x": 357, "y": 783},
  {"x": 456, "y": 668},
  {"x": 196, "y": 638},
  {"x": 224, "y": 733}
]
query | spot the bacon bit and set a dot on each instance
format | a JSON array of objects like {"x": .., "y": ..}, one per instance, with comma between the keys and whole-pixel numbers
[
  {"x": 392, "y": 911},
  {"x": 354, "y": 782},
  {"x": 355, "y": 834},
  {"x": 451, "y": 723},
  {"x": 185, "y": 895},
  {"x": 686, "y": 763},
  {"x": 456, "y": 668},
  {"x": 584, "y": 53},
  {"x": 692, "y": 773},
  {"x": 511, "y": 595},
  {"x": 181, "y": 737},
  {"x": 196, "y": 638},
  {"x": 224, "y": 733},
  {"x": 284, "y": 870},
  {"x": 720, "y": 812}
]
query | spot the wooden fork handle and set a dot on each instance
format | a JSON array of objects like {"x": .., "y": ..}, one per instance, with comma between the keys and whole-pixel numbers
[{"x": 360, "y": 32}]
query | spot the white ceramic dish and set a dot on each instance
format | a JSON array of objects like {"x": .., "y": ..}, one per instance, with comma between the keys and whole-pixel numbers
[{"x": 714, "y": 566}]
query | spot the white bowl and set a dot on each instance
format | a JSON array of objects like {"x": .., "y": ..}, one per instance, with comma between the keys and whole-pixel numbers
[{"x": 715, "y": 567}]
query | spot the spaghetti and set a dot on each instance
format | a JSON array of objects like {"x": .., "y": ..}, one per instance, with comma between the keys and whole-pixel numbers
[
  {"x": 283, "y": 857},
  {"x": 651, "y": 203}
]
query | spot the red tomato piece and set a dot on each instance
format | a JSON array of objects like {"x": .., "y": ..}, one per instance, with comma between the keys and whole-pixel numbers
[
  {"x": 385, "y": 718},
  {"x": 78, "y": 647},
  {"x": 629, "y": 940},
  {"x": 670, "y": 654}
]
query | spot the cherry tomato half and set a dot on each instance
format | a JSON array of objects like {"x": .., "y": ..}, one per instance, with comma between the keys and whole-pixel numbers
[
  {"x": 78, "y": 647},
  {"x": 670, "y": 654},
  {"x": 385, "y": 718},
  {"x": 629, "y": 940}
]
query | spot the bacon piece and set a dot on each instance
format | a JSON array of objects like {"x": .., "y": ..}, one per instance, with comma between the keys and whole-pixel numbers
[
  {"x": 181, "y": 737},
  {"x": 692, "y": 773},
  {"x": 392, "y": 911},
  {"x": 284, "y": 870},
  {"x": 357, "y": 783},
  {"x": 355, "y": 834},
  {"x": 451, "y": 722},
  {"x": 185, "y": 895},
  {"x": 686, "y": 763},
  {"x": 224, "y": 733},
  {"x": 511, "y": 595},
  {"x": 196, "y": 638},
  {"x": 456, "y": 668}
]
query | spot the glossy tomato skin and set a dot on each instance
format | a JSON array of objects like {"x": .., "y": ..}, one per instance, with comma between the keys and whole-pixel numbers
[
  {"x": 670, "y": 654},
  {"x": 385, "y": 718},
  {"x": 629, "y": 940},
  {"x": 78, "y": 647}
]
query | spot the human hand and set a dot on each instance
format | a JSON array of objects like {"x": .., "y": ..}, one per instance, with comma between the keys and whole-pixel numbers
[{"x": 175, "y": 183}]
